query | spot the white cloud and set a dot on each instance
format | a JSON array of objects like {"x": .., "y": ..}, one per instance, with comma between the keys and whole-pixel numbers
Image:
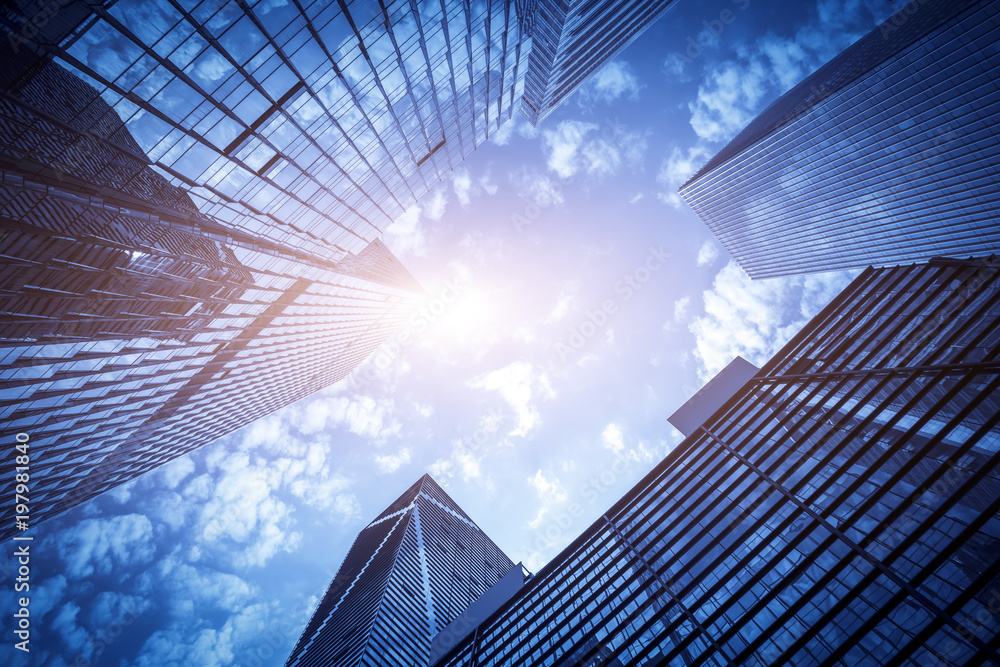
[
  {"x": 518, "y": 383},
  {"x": 97, "y": 545},
  {"x": 488, "y": 185},
  {"x": 176, "y": 471},
  {"x": 733, "y": 92},
  {"x": 570, "y": 148},
  {"x": 406, "y": 236},
  {"x": 435, "y": 206},
  {"x": 563, "y": 144},
  {"x": 613, "y": 81},
  {"x": 613, "y": 439},
  {"x": 729, "y": 98},
  {"x": 538, "y": 190},
  {"x": 515, "y": 126},
  {"x": 182, "y": 646},
  {"x": 461, "y": 182},
  {"x": 362, "y": 415},
  {"x": 754, "y": 318},
  {"x": 708, "y": 253},
  {"x": 461, "y": 461},
  {"x": 387, "y": 463},
  {"x": 681, "y": 307},
  {"x": 71, "y": 633},
  {"x": 676, "y": 169},
  {"x": 551, "y": 493},
  {"x": 561, "y": 309},
  {"x": 244, "y": 511}
]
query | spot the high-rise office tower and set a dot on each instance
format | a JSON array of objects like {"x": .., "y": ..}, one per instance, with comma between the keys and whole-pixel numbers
[
  {"x": 410, "y": 572},
  {"x": 134, "y": 327},
  {"x": 314, "y": 124},
  {"x": 887, "y": 154},
  {"x": 193, "y": 195},
  {"x": 841, "y": 507},
  {"x": 571, "y": 39},
  {"x": 318, "y": 123}
]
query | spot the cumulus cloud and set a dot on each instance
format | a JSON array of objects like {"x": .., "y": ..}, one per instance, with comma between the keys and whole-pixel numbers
[
  {"x": 681, "y": 307},
  {"x": 538, "y": 190},
  {"x": 755, "y": 318},
  {"x": 608, "y": 84},
  {"x": 97, "y": 545},
  {"x": 461, "y": 183},
  {"x": 519, "y": 384},
  {"x": 387, "y": 463},
  {"x": 368, "y": 417},
  {"x": 516, "y": 126},
  {"x": 176, "y": 471},
  {"x": 613, "y": 439},
  {"x": 574, "y": 146},
  {"x": 733, "y": 92},
  {"x": 462, "y": 461},
  {"x": 406, "y": 235},
  {"x": 434, "y": 207},
  {"x": 676, "y": 169},
  {"x": 708, "y": 253},
  {"x": 551, "y": 493},
  {"x": 207, "y": 647},
  {"x": 243, "y": 511}
]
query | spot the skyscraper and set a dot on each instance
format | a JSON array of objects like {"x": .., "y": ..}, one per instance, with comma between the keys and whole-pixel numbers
[
  {"x": 193, "y": 198},
  {"x": 570, "y": 40},
  {"x": 885, "y": 155},
  {"x": 136, "y": 328},
  {"x": 409, "y": 573},
  {"x": 840, "y": 508}
]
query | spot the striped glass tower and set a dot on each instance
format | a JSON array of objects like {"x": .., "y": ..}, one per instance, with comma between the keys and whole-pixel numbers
[{"x": 410, "y": 572}]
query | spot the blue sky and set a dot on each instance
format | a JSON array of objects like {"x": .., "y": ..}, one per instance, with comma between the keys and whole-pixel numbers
[{"x": 573, "y": 303}]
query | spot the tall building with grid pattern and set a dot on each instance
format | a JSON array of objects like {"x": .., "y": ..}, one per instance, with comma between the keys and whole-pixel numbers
[
  {"x": 841, "y": 508},
  {"x": 136, "y": 328},
  {"x": 410, "y": 572},
  {"x": 572, "y": 39},
  {"x": 314, "y": 124},
  {"x": 888, "y": 154}
]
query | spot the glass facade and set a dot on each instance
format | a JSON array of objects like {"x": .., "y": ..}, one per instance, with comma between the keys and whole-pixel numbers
[
  {"x": 136, "y": 328},
  {"x": 888, "y": 154},
  {"x": 571, "y": 39},
  {"x": 841, "y": 509},
  {"x": 313, "y": 124},
  {"x": 192, "y": 198},
  {"x": 409, "y": 573}
]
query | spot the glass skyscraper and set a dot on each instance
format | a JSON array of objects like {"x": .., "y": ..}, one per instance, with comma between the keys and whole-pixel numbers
[
  {"x": 135, "y": 327},
  {"x": 313, "y": 124},
  {"x": 410, "y": 572},
  {"x": 193, "y": 196},
  {"x": 842, "y": 507},
  {"x": 887, "y": 154},
  {"x": 571, "y": 39}
]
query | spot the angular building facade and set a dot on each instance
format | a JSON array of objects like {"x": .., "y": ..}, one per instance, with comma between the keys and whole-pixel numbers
[
  {"x": 192, "y": 200},
  {"x": 843, "y": 507},
  {"x": 572, "y": 39},
  {"x": 313, "y": 124},
  {"x": 410, "y": 572},
  {"x": 886, "y": 155},
  {"x": 136, "y": 328}
]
